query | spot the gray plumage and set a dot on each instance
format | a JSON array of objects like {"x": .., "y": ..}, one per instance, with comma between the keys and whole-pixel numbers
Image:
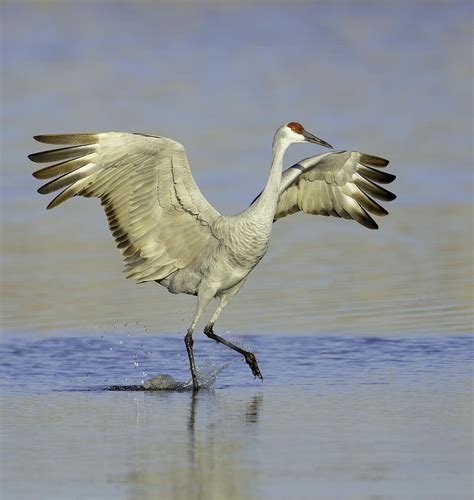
[{"x": 169, "y": 233}]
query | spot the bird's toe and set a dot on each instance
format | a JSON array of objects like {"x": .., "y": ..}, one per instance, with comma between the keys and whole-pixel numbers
[{"x": 252, "y": 362}]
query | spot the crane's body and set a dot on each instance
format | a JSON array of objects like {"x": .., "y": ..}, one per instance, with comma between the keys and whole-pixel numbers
[
  {"x": 167, "y": 231},
  {"x": 239, "y": 244}
]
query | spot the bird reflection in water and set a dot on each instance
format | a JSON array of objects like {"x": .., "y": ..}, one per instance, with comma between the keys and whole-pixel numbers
[
  {"x": 252, "y": 409},
  {"x": 198, "y": 457}
]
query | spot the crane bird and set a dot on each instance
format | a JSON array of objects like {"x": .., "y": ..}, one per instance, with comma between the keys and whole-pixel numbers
[{"x": 169, "y": 233}]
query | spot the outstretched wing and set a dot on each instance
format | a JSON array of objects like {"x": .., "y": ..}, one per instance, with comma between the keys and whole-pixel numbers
[
  {"x": 342, "y": 184},
  {"x": 156, "y": 213}
]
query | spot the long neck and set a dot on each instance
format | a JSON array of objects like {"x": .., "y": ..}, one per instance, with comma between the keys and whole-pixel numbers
[{"x": 269, "y": 198}]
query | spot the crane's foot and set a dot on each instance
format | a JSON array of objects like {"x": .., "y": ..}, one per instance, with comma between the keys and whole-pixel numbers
[
  {"x": 252, "y": 362},
  {"x": 249, "y": 357}
]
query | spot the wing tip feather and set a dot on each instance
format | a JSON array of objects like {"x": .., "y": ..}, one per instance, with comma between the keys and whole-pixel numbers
[
  {"x": 53, "y": 203},
  {"x": 37, "y": 174},
  {"x": 368, "y": 222},
  {"x": 81, "y": 138},
  {"x": 373, "y": 161}
]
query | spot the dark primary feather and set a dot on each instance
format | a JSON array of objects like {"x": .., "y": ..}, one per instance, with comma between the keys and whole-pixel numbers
[
  {"x": 62, "y": 168},
  {"x": 81, "y": 139},
  {"x": 368, "y": 187},
  {"x": 79, "y": 164},
  {"x": 375, "y": 175},
  {"x": 68, "y": 153},
  {"x": 338, "y": 184},
  {"x": 373, "y": 161},
  {"x": 68, "y": 178}
]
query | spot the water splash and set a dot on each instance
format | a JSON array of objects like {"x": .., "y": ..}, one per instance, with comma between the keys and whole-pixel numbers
[
  {"x": 207, "y": 376},
  {"x": 208, "y": 373}
]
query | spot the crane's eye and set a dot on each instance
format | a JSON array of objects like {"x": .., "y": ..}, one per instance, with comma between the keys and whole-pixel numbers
[{"x": 296, "y": 127}]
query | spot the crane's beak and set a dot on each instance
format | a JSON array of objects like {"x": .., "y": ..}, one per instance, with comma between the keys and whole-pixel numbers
[{"x": 315, "y": 140}]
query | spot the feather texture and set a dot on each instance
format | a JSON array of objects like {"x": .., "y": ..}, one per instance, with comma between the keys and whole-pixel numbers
[
  {"x": 156, "y": 213},
  {"x": 338, "y": 184}
]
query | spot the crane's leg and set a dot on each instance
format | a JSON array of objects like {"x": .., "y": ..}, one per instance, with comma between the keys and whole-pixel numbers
[
  {"x": 202, "y": 302},
  {"x": 209, "y": 330}
]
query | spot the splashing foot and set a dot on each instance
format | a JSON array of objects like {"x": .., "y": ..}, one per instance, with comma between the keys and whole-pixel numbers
[{"x": 252, "y": 362}]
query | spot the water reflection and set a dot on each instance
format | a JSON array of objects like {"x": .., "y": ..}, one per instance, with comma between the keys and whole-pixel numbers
[
  {"x": 253, "y": 408},
  {"x": 333, "y": 413},
  {"x": 208, "y": 464}
]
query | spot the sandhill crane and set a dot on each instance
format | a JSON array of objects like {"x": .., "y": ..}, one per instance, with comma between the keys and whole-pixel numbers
[{"x": 169, "y": 233}]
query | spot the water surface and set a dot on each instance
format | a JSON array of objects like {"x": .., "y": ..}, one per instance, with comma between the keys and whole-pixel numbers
[
  {"x": 390, "y": 79},
  {"x": 336, "y": 417},
  {"x": 363, "y": 337}
]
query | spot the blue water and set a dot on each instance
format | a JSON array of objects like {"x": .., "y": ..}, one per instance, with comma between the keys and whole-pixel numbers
[
  {"x": 335, "y": 417},
  {"x": 391, "y": 79},
  {"x": 91, "y": 363}
]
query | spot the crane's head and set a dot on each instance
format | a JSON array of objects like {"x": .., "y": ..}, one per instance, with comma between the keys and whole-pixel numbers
[{"x": 294, "y": 132}]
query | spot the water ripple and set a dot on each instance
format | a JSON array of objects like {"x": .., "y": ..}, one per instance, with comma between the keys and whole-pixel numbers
[{"x": 92, "y": 363}]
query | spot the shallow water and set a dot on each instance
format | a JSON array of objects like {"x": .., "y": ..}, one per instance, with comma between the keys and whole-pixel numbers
[
  {"x": 363, "y": 337},
  {"x": 336, "y": 417}
]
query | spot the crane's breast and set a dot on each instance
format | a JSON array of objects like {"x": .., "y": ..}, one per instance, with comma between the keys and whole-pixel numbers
[{"x": 245, "y": 241}]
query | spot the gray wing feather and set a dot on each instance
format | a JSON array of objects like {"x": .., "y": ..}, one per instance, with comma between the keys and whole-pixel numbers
[
  {"x": 156, "y": 213},
  {"x": 339, "y": 184}
]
